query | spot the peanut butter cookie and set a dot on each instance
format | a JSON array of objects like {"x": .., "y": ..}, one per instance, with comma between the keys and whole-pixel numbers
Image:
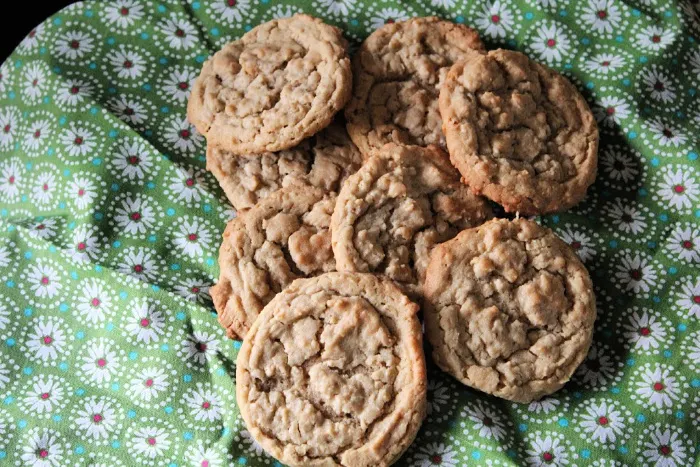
[
  {"x": 332, "y": 373},
  {"x": 283, "y": 238},
  {"x": 520, "y": 133},
  {"x": 398, "y": 72},
  {"x": 280, "y": 83},
  {"x": 509, "y": 309}
]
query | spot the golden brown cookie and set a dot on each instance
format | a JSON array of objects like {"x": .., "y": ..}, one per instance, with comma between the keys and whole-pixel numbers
[
  {"x": 398, "y": 71},
  {"x": 324, "y": 160},
  {"x": 509, "y": 309},
  {"x": 332, "y": 373},
  {"x": 520, "y": 133},
  {"x": 391, "y": 212},
  {"x": 280, "y": 83},
  {"x": 283, "y": 238}
]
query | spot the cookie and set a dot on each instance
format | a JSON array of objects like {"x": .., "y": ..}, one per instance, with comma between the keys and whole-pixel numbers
[
  {"x": 520, "y": 133},
  {"x": 283, "y": 238},
  {"x": 324, "y": 160},
  {"x": 509, "y": 309},
  {"x": 278, "y": 84},
  {"x": 398, "y": 72},
  {"x": 391, "y": 212},
  {"x": 332, "y": 373}
]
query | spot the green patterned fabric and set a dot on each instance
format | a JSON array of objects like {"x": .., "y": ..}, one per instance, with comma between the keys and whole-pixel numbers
[{"x": 110, "y": 353}]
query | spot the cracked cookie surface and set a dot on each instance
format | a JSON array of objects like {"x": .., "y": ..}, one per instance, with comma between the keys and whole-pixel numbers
[
  {"x": 278, "y": 84},
  {"x": 391, "y": 212},
  {"x": 265, "y": 248},
  {"x": 520, "y": 133},
  {"x": 398, "y": 72},
  {"x": 324, "y": 160},
  {"x": 509, "y": 309},
  {"x": 333, "y": 373}
]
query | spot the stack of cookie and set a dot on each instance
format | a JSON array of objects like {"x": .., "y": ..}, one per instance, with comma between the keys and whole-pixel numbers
[{"x": 340, "y": 235}]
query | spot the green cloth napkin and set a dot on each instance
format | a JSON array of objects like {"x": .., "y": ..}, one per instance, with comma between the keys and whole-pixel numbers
[{"x": 110, "y": 353}]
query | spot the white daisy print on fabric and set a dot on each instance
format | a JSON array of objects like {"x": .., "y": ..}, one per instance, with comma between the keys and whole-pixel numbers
[
  {"x": 78, "y": 140},
  {"x": 654, "y": 38},
  {"x": 605, "y": 64},
  {"x": 85, "y": 246},
  {"x": 636, "y": 273},
  {"x": 204, "y": 404},
  {"x": 386, "y": 16},
  {"x": 146, "y": 322},
  {"x": 677, "y": 188},
  {"x": 603, "y": 422},
  {"x": 283, "y": 11},
  {"x": 35, "y": 81},
  {"x": 186, "y": 185},
  {"x": 46, "y": 339},
  {"x": 644, "y": 331},
  {"x": 135, "y": 215},
  {"x": 687, "y": 299},
  {"x": 193, "y": 289},
  {"x": 123, "y": 13},
  {"x": 665, "y": 446},
  {"x": 32, "y": 39},
  {"x": 128, "y": 109},
  {"x": 665, "y": 134},
  {"x": 485, "y": 420},
  {"x": 494, "y": 19},
  {"x": 580, "y": 241},
  {"x": 436, "y": 455},
  {"x": 440, "y": 399},
  {"x": 177, "y": 84},
  {"x": 611, "y": 111},
  {"x": 694, "y": 62},
  {"x": 232, "y": 11},
  {"x": 43, "y": 447},
  {"x": 11, "y": 177},
  {"x": 684, "y": 243},
  {"x": 627, "y": 217},
  {"x": 72, "y": 47},
  {"x": 132, "y": 160},
  {"x": 551, "y": 43},
  {"x": 336, "y": 7},
  {"x": 181, "y": 134},
  {"x": 43, "y": 279},
  {"x": 193, "y": 237},
  {"x": 657, "y": 84},
  {"x": 9, "y": 126},
  {"x": 99, "y": 361},
  {"x": 42, "y": 228},
  {"x": 95, "y": 301},
  {"x": 202, "y": 455},
  {"x": 199, "y": 346},
  {"x": 657, "y": 388},
  {"x": 141, "y": 263},
  {"x": 599, "y": 369},
  {"x": 150, "y": 442},
  {"x": 150, "y": 384},
  {"x": 73, "y": 92},
  {"x": 82, "y": 192},
  {"x": 36, "y": 135},
  {"x": 98, "y": 419},
  {"x": 547, "y": 450},
  {"x": 602, "y": 16},
  {"x": 44, "y": 188},
  {"x": 127, "y": 63},
  {"x": 178, "y": 33},
  {"x": 5, "y": 77},
  {"x": 44, "y": 395},
  {"x": 621, "y": 168}
]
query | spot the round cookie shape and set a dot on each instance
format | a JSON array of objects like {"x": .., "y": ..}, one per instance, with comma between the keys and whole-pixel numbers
[
  {"x": 398, "y": 71},
  {"x": 280, "y": 83},
  {"x": 396, "y": 207},
  {"x": 520, "y": 133},
  {"x": 324, "y": 160},
  {"x": 265, "y": 248},
  {"x": 509, "y": 309},
  {"x": 332, "y": 373}
]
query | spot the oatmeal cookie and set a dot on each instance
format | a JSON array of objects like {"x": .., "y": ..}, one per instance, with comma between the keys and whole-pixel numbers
[
  {"x": 332, "y": 373},
  {"x": 278, "y": 84},
  {"x": 398, "y": 72},
  {"x": 324, "y": 160},
  {"x": 283, "y": 238},
  {"x": 391, "y": 212},
  {"x": 520, "y": 133},
  {"x": 509, "y": 309}
]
